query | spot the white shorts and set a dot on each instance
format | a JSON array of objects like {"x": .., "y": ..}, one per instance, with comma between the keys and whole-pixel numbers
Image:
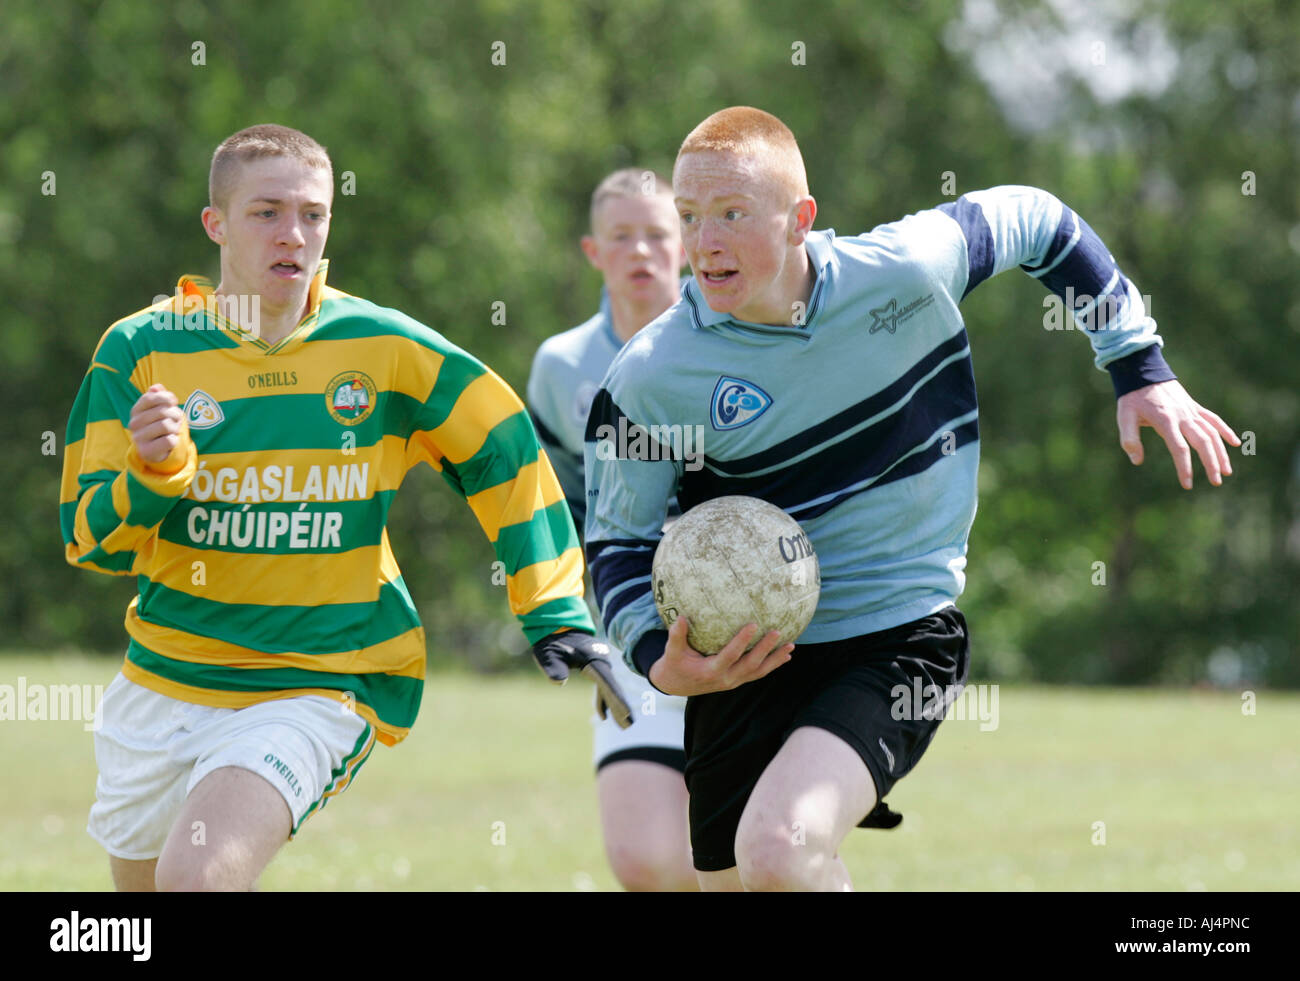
[
  {"x": 658, "y": 722},
  {"x": 152, "y": 750}
]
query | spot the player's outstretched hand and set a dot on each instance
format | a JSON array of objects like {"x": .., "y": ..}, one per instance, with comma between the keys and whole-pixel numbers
[
  {"x": 685, "y": 671},
  {"x": 156, "y": 424},
  {"x": 567, "y": 650},
  {"x": 1182, "y": 423}
]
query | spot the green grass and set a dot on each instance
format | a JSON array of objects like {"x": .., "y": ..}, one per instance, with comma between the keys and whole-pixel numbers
[{"x": 1193, "y": 793}]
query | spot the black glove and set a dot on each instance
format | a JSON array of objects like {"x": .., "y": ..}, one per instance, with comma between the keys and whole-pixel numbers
[{"x": 559, "y": 652}]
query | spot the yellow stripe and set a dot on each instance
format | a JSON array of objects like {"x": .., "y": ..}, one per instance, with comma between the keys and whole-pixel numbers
[
  {"x": 397, "y": 364},
  {"x": 389, "y": 735},
  {"x": 542, "y": 582},
  {"x": 269, "y": 579},
  {"x": 106, "y": 442},
  {"x": 121, "y": 498},
  {"x": 123, "y": 538},
  {"x": 516, "y": 501},
  {"x": 484, "y": 403},
  {"x": 69, "y": 485},
  {"x": 403, "y": 655}
]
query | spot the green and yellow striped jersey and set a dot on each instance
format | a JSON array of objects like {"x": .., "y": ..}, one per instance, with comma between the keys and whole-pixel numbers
[{"x": 260, "y": 545}]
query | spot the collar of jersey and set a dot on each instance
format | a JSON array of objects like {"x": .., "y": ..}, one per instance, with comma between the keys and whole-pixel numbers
[
  {"x": 818, "y": 245},
  {"x": 194, "y": 285}
]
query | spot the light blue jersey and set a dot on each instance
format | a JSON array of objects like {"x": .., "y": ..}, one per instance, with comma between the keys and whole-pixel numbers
[
  {"x": 862, "y": 423},
  {"x": 564, "y": 380}
]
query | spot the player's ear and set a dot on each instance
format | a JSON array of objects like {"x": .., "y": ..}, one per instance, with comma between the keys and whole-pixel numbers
[
  {"x": 805, "y": 212},
  {"x": 214, "y": 223},
  {"x": 591, "y": 250}
]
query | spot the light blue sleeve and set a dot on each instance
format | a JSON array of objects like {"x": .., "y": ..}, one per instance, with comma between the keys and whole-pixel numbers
[
  {"x": 547, "y": 394},
  {"x": 627, "y": 501},
  {"x": 1009, "y": 226}
]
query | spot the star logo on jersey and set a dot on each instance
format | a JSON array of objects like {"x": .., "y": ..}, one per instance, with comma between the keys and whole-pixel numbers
[
  {"x": 890, "y": 316},
  {"x": 737, "y": 402},
  {"x": 202, "y": 411},
  {"x": 350, "y": 397},
  {"x": 885, "y": 317}
]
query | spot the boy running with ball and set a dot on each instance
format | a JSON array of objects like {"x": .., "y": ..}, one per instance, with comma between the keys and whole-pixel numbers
[{"x": 833, "y": 378}]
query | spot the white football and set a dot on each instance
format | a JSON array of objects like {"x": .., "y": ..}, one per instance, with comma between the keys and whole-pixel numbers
[{"x": 732, "y": 561}]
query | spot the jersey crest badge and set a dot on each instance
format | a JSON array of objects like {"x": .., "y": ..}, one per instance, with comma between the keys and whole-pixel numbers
[
  {"x": 350, "y": 397},
  {"x": 737, "y": 402},
  {"x": 202, "y": 411}
]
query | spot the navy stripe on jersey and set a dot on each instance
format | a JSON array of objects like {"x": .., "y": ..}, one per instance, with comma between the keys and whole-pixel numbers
[
  {"x": 616, "y": 562},
  {"x": 845, "y": 420},
  {"x": 633, "y": 441},
  {"x": 878, "y": 454},
  {"x": 1067, "y": 233},
  {"x": 979, "y": 239},
  {"x": 1078, "y": 260},
  {"x": 914, "y": 464}
]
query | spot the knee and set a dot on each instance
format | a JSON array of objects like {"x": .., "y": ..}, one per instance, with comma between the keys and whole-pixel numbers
[
  {"x": 642, "y": 868},
  {"x": 198, "y": 871},
  {"x": 772, "y": 859}
]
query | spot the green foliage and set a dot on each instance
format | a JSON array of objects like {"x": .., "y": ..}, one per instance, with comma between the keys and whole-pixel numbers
[{"x": 471, "y": 183}]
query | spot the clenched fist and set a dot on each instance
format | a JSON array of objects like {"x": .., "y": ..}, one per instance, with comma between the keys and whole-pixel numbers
[{"x": 156, "y": 424}]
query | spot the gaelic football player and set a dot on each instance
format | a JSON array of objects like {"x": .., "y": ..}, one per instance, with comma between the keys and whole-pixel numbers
[
  {"x": 834, "y": 377},
  {"x": 635, "y": 242},
  {"x": 236, "y": 448}
]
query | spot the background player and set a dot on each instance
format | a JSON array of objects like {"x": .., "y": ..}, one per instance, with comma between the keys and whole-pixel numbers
[
  {"x": 860, "y": 421},
  {"x": 242, "y": 470},
  {"x": 635, "y": 242}
]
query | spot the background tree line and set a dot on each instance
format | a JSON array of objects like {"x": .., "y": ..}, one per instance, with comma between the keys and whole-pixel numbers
[{"x": 475, "y": 133}]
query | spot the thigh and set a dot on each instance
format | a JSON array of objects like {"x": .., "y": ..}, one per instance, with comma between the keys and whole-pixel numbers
[
  {"x": 258, "y": 773},
  {"x": 813, "y": 793},
  {"x": 309, "y": 748},
  {"x": 232, "y": 824},
  {"x": 643, "y": 808},
  {"x": 642, "y": 800}
]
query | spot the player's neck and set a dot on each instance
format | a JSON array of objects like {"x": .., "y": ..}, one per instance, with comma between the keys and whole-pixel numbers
[
  {"x": 629, "y": 316},
  {"x": 272, "y": 324}
]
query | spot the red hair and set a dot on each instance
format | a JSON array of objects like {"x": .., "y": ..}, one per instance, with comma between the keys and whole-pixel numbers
[{"x": 748, "y": 132}]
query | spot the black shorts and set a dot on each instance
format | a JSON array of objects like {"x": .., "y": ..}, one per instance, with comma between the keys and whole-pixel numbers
[{"x": 847, "y": 687}]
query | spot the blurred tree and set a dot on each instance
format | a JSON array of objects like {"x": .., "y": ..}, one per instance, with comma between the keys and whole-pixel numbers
[{"x": 470, "y": 138}]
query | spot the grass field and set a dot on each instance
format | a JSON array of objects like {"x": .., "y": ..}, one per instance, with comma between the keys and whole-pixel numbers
[{"x": 1193, "y": 794}]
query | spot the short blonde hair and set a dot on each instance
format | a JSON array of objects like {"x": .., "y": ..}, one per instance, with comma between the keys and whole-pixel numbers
[
  {"x": 628, "y": 183},
  {"x": 255, "y": 142},
  {"x": 748, "y": 132}
]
